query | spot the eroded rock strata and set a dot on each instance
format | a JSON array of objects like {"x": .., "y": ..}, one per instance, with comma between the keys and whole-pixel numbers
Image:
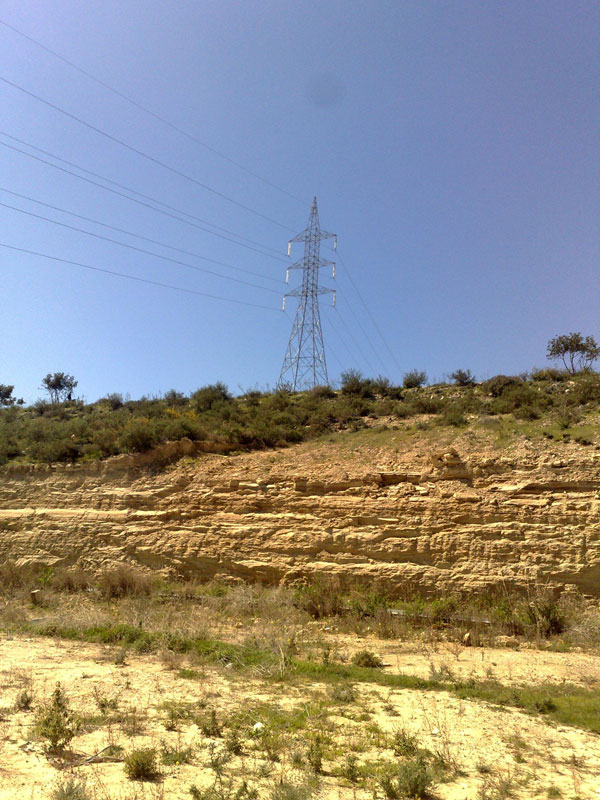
[{"x": 426, "y": 519}]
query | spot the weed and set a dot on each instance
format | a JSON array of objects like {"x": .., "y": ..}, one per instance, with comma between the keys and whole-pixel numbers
[
  {"x": 286, "y": 790},
  {"x": 209, "y": 724},
  {"x": 24, "y": 700},
  {"x": 314, "y": 754},
  {"x": 350, "y": 769},
  {"x": 405, "y": 744},
  {"x": 407, "y": 779},
  {"x": 55, "y": 722},
  {"x": 140, "y": 765},
  {"x": 366, "y": 658},
  {"x": 70, "y": 788},
  {"x": 233, "y": 742},
  {"x": 104, "y": 702},
  {"x": 173, "y": 756},
  {"x": 342, "y": 693}
]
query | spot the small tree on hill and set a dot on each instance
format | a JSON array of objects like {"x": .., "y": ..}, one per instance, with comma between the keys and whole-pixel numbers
[
  {"x": 577, "y": 354},
  {"x": 7, "y": 398},
  {"x": 59, "y": 386},
  {"x": 414, "y": 379},
  {"x": 463, "y": 377}
]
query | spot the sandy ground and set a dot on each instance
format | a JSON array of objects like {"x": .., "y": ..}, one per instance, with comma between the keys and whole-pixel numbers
[{"x": 526, "y": 752}]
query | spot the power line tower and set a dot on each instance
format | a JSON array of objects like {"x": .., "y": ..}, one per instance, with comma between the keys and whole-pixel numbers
[{"x": 304, "y": 365}]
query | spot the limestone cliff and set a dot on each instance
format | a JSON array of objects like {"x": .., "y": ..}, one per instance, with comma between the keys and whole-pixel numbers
[{"x": 407, "y": 515}]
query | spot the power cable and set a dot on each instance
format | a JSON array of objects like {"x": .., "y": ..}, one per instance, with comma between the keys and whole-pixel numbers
[
  {"x": 133, "y": 199},
  {"x": 358, "y": 347},
  {"x": 360, "y": 325},
  {"x": 133, "y": 102},
  {"x": 139, "y": 249},
  {"x": 139, "y": 236},
  {"x": 134, "y": 278},
  {"x": 372, "y": 318},
  {"x": 141, "y": 153}
]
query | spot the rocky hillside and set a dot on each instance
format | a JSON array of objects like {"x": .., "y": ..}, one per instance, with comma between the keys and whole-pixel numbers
[{"x": 411, "y": 512}]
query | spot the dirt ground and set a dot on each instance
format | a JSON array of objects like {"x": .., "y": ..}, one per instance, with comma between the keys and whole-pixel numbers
[{"x": 495, "y": 752}]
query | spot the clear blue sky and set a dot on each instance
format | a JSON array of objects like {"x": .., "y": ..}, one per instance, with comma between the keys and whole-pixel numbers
[{"x": 453, "y": 147}]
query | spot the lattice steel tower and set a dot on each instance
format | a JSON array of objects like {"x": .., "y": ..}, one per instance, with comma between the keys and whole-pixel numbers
[{"x": 304, "y": 365}]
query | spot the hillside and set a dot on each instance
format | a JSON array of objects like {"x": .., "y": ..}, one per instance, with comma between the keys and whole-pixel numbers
[{"x": 407, "y": 504}]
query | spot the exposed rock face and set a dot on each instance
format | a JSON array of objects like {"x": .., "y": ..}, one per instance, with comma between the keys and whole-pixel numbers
[{"x": 448, "y": 519}]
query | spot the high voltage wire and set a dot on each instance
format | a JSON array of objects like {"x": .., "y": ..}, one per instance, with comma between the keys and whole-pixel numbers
[
  {"x": 358, "y": 347},
  {"x": 137, "y": 235},
  {"x": 133, "y": 199},
  {"x": 134, "y": 278},
  {"x": 133, "y": 102},
  {"x": 372, "y": 318},
  {"x": 141, "y": 153},
  {"x": 139, "y": 249},
  {"x": 361, "y": 326}
]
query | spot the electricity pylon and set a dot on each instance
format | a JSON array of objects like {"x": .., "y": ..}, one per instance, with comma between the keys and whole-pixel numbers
[{"x": 304, "y": 365}]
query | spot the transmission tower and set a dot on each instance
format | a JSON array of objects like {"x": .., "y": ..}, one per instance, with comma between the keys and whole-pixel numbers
[{"x": 304, "y": 364}]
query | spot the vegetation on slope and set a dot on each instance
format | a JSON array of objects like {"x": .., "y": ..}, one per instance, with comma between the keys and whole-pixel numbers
[{"x": 72, "y": 430}]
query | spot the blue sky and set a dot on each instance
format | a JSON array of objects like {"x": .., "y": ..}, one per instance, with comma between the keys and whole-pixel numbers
[{"x": 453, "y": 148}]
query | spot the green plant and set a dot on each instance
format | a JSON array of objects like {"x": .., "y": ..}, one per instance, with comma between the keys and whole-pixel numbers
[
  {"x": 366, "y": 658},
  {"x": 342, "y": 693},
  {"x": 286, "y": 790},
  {"x": 209, "y": 724},
  {"x": 173, "y": 756},
  {"x": 407, "y": 779},
  {"x": 350, "y": 769},
  {"x": 140, "y": 764},
  {"x": 314, "y": 754},
  {"x": 405, "y": 744},
  {"x": 24, "y": 700},
  {"x": 55, "y": 722},
  {"x": 463, "y": 377},
  {"x": 59, "y": 386},
  {"x": 414, "y": 379},
  {"x": 70, "y": 788},
  {"x": 233, "y": 742},
  {"x": 576, "y": 353}
]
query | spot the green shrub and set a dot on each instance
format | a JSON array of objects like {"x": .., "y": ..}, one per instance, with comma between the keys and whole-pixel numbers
[
  {"x": 405, "y": 744},
  {"x": 496, "y": 386},
  {"x": 315, "y": 753},
  {"x": 414, "y": 378},
  {"x": 139, "y": 435},
  {"x": 140, "y": 764},
  {"x": 366, "y": 658},
  {"x": 70, "y": 788},
  {"x": 55, "y": 722},
  {"x": 323, "y": 598},
  {"x": 211, "y": 396},
  {"x": 24, "y": 700},
  {"x": 209, "y": 724},
  {"x": 463, "y": 377}
]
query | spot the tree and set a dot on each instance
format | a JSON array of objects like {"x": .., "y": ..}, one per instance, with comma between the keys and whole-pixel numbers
[
  {"x": 577, "y": 354},
  {"x": 6, "y": 396},
  {"x": 413, "y": 379},
  {"x": 59, "y": 386},
  {"x": 463, "y": 377}
]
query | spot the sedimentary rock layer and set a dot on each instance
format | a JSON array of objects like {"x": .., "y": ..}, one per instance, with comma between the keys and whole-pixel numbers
[{"x": 427, "y": 520}]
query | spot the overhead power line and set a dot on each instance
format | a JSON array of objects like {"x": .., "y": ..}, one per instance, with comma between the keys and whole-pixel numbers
[
  {"x": 372, "y": 318},
  {"x": 134, "y": 278},
  {"x": 139, "y": 249},
  {"x": 138, "y": 236},
  {"x": 141, "y": 153},
  {"x": 156, "y": 116},
  {"x": 133, "y": 199}
]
